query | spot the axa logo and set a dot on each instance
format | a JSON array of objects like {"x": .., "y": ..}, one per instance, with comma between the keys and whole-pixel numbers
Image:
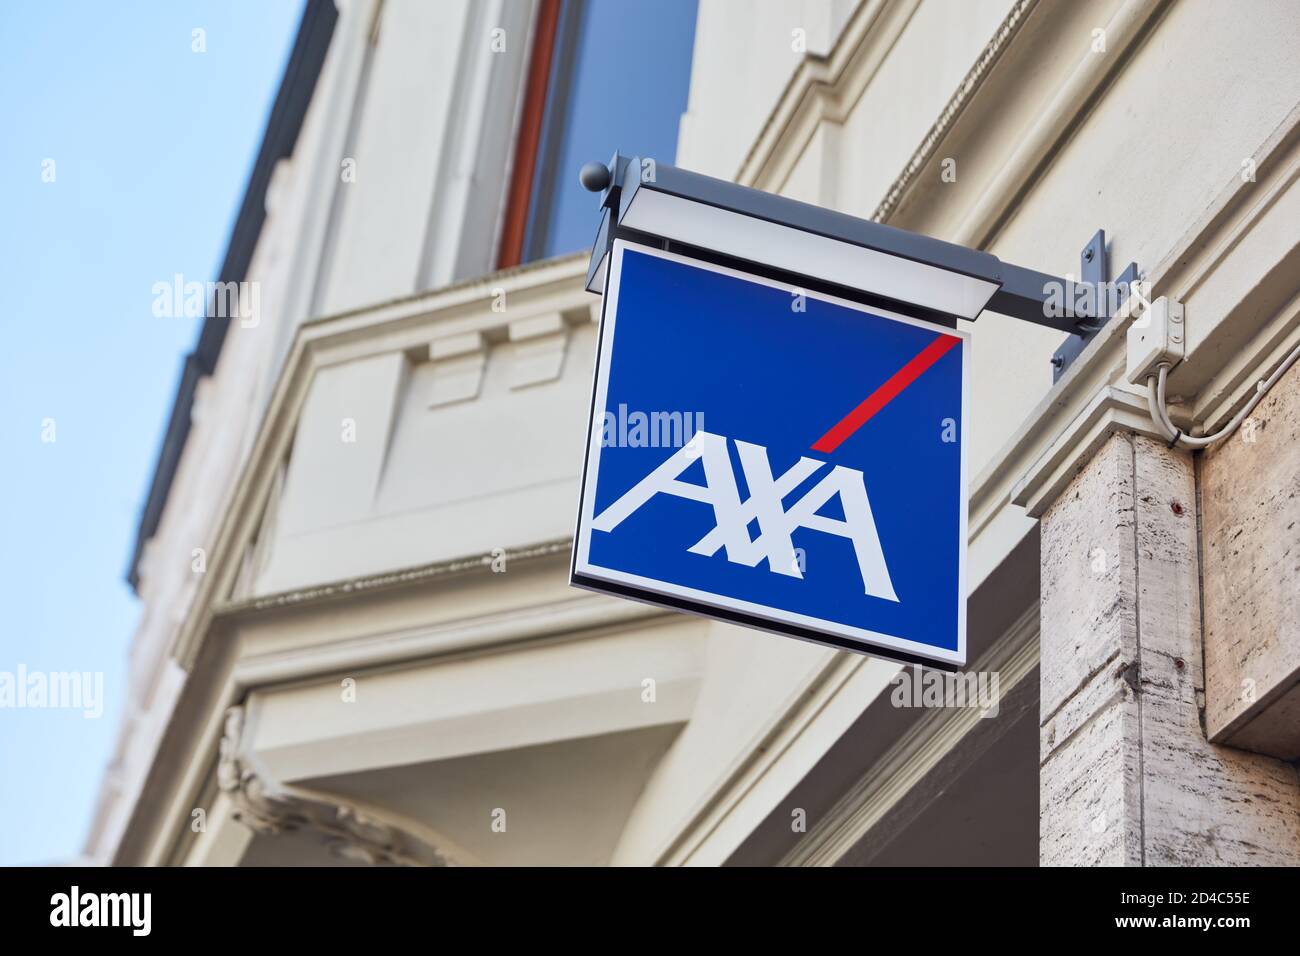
[{"x": 767, "y": 493}]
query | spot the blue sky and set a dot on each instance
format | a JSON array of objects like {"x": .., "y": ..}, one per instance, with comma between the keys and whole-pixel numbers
[{"x": 152, "y": 144}]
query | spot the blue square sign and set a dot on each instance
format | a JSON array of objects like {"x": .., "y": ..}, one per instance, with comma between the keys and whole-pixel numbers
[{"x": 778, "y": 458}]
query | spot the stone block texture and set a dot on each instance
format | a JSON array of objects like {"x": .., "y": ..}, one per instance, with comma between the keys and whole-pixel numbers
[
  {"x": 1250, "y": 491},
  {"x": 1128, "y": 777}
]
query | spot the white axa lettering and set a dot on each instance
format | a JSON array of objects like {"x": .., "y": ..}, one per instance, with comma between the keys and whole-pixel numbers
[{"x": 776, "y": 525}]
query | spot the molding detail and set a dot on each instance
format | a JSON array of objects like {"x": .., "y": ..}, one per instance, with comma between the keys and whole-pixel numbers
[
  {"x": 459, "y": 361},
  {"x": 409, "y": 324},
  {"x": 390, "y": 579},
  {"x": 347, "y": 831},
  {"x": 994, "y": 49},
  {"x": 1112, "y": 409},
  {"x": 893, "y": 780},
  {"x": 539, "y": 345}
]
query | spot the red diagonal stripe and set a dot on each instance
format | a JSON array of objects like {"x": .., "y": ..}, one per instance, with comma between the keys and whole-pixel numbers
[{"x": 885, "y": 394}]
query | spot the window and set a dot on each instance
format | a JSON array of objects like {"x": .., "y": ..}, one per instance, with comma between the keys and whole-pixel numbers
[{"x": 616, "y": 76}]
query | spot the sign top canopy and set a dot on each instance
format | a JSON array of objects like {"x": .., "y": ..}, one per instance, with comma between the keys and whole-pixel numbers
[{"x": 647, "y": 201}]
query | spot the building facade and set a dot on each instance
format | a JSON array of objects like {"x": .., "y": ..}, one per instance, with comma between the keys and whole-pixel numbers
[{"x": 359, "y": 644}]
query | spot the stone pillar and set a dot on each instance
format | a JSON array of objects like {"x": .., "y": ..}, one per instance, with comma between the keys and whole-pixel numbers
[
  {"x": 1127, "y": 774},
  {"x": 1250, "y": 507}
]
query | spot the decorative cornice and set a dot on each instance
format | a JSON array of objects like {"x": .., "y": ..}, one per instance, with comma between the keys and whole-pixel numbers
[
  {"x": 366, "y": 584},
  {"x": 775, "y": 745},
  {"x": 468, "y": 289},
  {"x": 568, "y": 619},
  {"x": 940, "y": 732},
  {"x": 1112, "y": 409},
  {"x": 399, "y": 324},
  {"x": 1033, "y": 149},
  {"x": 992, "y": 51},
  {"x": 820, "y": 88},
  {"x": 345, "y": 830}
]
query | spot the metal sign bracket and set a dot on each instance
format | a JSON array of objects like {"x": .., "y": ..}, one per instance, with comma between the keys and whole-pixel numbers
[{"x": 1094, "y": 272}]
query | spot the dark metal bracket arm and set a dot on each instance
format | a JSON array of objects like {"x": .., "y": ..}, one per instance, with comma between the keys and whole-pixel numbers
[
  {"x": 1021, "y": 293},
  {"x": 1094, "y": 270}
]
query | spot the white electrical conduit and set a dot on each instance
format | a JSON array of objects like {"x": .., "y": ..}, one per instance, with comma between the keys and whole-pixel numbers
[{"x": 1160, "y": 416}]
